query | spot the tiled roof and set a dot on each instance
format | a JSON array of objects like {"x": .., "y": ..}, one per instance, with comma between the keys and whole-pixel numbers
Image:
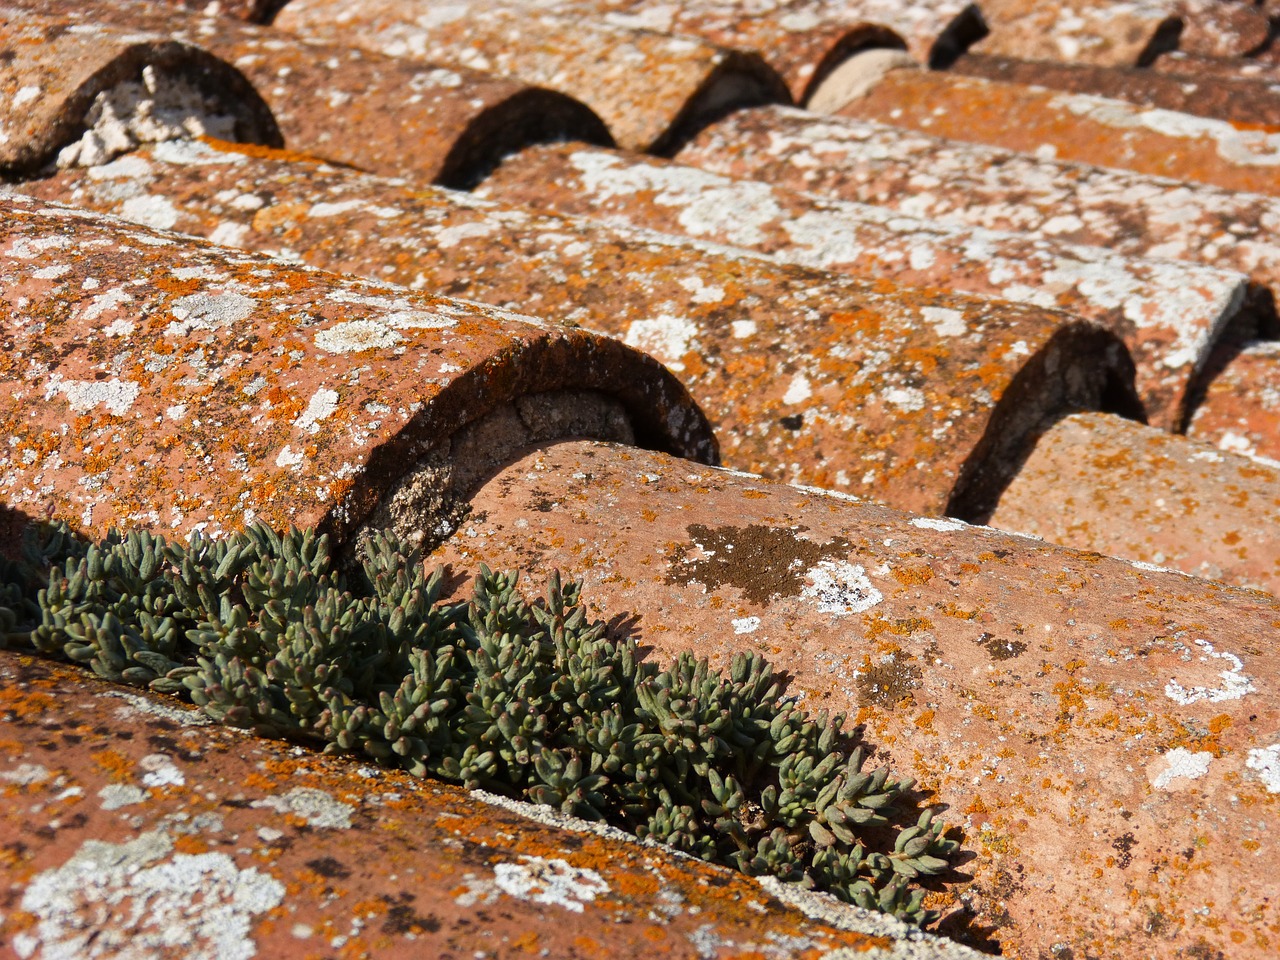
[{"x": 950, "y": 302}]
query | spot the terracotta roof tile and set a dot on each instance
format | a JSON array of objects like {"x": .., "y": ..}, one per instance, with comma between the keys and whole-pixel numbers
[
  {"x": 1074, "y": 127},
  {"x": 1105, "y": 733},
  {"x": 646, "y": 86},
  {"x": 1105, "y": 33},
  {"x": 1116, "y": 487},
  {"x": 52, "y": 75},
  {"x": 1091, "y": 720},
  {"x": 187, "y": 838},
  {"x": 1168, "y": 313},
  {"x": 999, "y": 189},
  {"x": 1246, "y": 103},
  {"x": 1111, "y": 33},
  {"x": 248, "y": 388},
  {"x": 806, "y": 375},
  {"x": 361, "y": 109},
  {"x": 1240, "y": 410}
]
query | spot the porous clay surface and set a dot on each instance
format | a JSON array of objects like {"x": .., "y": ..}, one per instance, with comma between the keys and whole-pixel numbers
[
  {"x": 1103, "y": 731},
  {"x": 1240, "y": 101},
  {"x": 1117, "y": 487},
  {"x": 356, "y": 107},
  {"x": 1105, "y": 33},
  {"x": 1075, "y": 127},
  {"x": 1168, "y": 313},
  {"x": 904, "y": 395},
  {"x": 149, "y": 379},
  {"x": 984, "y": 186},
  {"x": 800, "y": 39},
  {"x": 55, "y": 80},
  {"x": 1240, "y": 410},
  {"x": 644, "y": 85},
  {"x": 133, "y": 827}
]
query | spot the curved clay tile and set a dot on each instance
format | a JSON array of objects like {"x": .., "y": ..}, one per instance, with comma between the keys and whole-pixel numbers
[
  {"x": 1240, "y": 410},
  {"x": 360, "y": 109},
  {"x": 649, "y": 89},
  {"x": 55, "y": 81},
  {"x": 1113, "y": 486},
  {"x": 983, "y": 186},
  {"x": 917, "y": 397},
  {"x": 1107, "y": 733},
  {"x": 1248, "y": 104},
  {"x": 1104, "y": 33},
  {"x": 195, "y": 839},
  {"x": 136, "y": 361},
  {"x": 1074, "y": 127},
  {"x": 1169, "y": 314}
]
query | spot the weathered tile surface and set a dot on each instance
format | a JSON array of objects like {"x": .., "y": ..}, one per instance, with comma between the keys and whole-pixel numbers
[
  {"x": 1108, "y": 733},
  {"x": 1075, "y": 127},
  {"x": 361, "y": 109},
  {"x": 148, "y": 379},
  {"x": 132, "y": 827},
  {"x": 1113, "y": 34},
  {"x": 1168, "y": 313},
  {"x": 52, "y": 78},
  {"x": 646, "y": 86},
  {"x": 911, "y": 397},
  {"x": 1242, "y": 101},
  {"x": 1119, "y": 32},
  {"x": 1241, "y": 407},
  {"x": 999, "y": 189},
  {"x": 1116, "y": 487}
]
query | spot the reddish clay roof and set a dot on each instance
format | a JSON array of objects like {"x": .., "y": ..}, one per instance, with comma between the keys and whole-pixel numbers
[
  {"x": 251, "y": 388},
  {"x": 1089, "y": 718},
  {"x": 358, "y": 108},
  {"x": 1103, "y": 732},
  {"x": 1168, "y": 314},
  {"x": 596, "y": 62},
  {"x": 173, "y": 834},
  {"x": 863, "y": 392},
  {"x": 1075, "y": 127}
]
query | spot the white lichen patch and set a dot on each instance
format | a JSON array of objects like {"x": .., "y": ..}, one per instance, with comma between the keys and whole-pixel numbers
[
  {"x": 1235, "y": 683},
  {"x": 117, "y": 795},
  {"x": 316, "y": 807},
  {"x": 941, "y": 524},
  {"x": 798, "y": 390},
  {"x": 1178, "y": 765},
  {"x": 354, "y": 336},
  {"x": 139, "y": 899},
  {"x": 746, "y": 625},
  {"x": 946, "y": 322},
  {"x": 840, "y": 588},
  {"x": 665, "y": 336},
  {"x": 83, "y": 395},
  {"x": 209, "y": 311},
  {"x": 150, "y": 211},
  {"x": 1266, "y": 763},
  {"x": 26, "y": 774},
  {"x": 161, "y": 771},
  {"x": 554, "y": 882},
  {"x": 322, "y": 404}
]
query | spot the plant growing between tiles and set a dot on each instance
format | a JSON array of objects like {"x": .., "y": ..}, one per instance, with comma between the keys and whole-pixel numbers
[{"x": 529, "y": 698}]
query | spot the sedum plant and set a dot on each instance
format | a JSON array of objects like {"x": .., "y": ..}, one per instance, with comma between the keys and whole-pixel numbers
[{"x": 529, "y": 698}]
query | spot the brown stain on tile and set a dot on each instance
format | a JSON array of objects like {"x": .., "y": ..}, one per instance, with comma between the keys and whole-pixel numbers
[{"x": 763, "y": 562}]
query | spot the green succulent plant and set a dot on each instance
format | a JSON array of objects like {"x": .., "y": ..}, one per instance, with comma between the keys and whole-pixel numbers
[{"x": 525, "y": 697}]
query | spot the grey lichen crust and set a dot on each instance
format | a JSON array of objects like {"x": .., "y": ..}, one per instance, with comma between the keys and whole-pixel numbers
[
  {"x": 160, "y": 107},
  {"x": 523, "y": 697}
]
